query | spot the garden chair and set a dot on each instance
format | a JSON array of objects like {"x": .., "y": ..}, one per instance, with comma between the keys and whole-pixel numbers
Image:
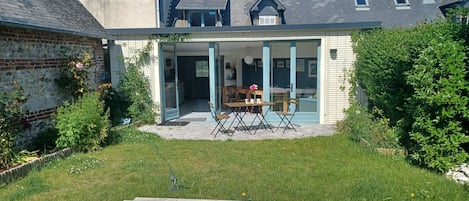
[
  {"x": 220, "y": 119},
  {"x": 232, "y": 94},
  {"x": 286, "y": 117}
]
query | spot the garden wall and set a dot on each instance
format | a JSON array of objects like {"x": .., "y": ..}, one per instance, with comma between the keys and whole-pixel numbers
[{"x": 33, "y": 59}]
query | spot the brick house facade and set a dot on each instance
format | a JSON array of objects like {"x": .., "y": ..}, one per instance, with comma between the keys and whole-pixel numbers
[{"x": 31, "y": 54}]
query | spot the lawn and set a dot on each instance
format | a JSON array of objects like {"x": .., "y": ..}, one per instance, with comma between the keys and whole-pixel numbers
[{"x": 319, "y": 168}]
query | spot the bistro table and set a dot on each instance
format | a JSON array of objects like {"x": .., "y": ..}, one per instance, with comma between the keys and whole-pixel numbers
[{"x": 260, "y": 109}]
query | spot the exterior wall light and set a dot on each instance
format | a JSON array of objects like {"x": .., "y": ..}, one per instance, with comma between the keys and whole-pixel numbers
[{"x": 333, "y": 53}]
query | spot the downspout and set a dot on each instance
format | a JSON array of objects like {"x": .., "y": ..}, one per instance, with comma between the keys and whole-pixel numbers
[{"x": 157, "y": 2}]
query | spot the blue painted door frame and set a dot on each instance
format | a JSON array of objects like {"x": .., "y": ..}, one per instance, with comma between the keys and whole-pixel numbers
[
  {"x": 309, "y": 117},
  {"x": 168, "y": 112}
]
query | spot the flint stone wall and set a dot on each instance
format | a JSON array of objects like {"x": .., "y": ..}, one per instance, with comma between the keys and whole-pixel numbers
[{"x": 33, "y": 59}]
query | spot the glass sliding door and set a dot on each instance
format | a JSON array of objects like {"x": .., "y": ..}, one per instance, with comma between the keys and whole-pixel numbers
[
  {"x": 216, "y": 75},
  {"x": 171, "y": 81},
  {"x": 280, "y": 81},
  {"x": 294, "y": 74},
  {"x": 307, "y": 76}
]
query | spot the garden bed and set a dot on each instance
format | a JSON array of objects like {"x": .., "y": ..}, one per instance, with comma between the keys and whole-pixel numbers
[
  {"x": 385, "y": 151},
  {"x": 22, "y": 170}
]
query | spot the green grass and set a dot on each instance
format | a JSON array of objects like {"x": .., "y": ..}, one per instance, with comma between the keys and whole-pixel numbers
[{"x": 320, "y": 168}]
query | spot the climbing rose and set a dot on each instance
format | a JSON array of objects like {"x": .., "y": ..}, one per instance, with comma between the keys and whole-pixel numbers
[{"x": 79, "y": 65}]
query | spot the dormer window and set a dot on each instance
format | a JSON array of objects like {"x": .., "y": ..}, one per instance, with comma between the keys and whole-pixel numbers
[
  {"x": 267, "y": 12},
  {"x": 267, "y": 20},
  {"x": 201, "y": 13}
]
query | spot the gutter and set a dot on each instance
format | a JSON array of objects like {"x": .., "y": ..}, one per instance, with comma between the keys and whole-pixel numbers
[{"x": 226, "y": 29}]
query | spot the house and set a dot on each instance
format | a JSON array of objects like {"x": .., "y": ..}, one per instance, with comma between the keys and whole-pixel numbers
[
  {"x": 290, "y": 48},
  {"x": 32, "y": 35}
]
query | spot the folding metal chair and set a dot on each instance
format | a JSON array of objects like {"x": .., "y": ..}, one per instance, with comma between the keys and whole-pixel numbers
[
  {"x": 287, "y": 116},
  {"x": 220, "y": 119}
]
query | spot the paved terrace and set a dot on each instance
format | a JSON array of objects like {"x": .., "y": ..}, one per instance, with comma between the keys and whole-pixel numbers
[{"x": 200, "y": 130}]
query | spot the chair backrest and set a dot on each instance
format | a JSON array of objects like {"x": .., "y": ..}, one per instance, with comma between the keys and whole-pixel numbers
[
  {"x": 232, "y": 92},
  {"x": 292, "y": 105},
  {"x": 236, "y": 93},
  {"x": 212, "y": 110}
]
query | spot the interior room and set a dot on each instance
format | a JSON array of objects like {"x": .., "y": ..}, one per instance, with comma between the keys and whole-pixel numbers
[{"x": 239, "y": 66}]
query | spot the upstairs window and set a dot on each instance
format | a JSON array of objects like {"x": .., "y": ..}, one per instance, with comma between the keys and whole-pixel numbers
[
  {"x": 267, "y": 12},
  {"x": 361, "y": 2},
  {"x": 402, "y": 2},
  {"x": 203, "y": 18},
  {"x": 267, "y": 20},
  {"x": 362, "y": 5}
]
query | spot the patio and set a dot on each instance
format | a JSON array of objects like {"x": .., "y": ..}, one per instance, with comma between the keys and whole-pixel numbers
[{"x": 199, "y": 131}]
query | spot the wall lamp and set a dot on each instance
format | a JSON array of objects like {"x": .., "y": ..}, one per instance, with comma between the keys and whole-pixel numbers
[{"x": 333, "y": 53}]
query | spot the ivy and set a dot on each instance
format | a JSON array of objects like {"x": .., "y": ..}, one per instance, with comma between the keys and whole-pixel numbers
[{"x": 173, "y": 37}]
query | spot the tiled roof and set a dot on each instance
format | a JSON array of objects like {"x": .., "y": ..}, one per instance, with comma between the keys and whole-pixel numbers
[
  {"x": 335, "y": 11},
  {"x": 66, "y": 16},
  {"x": 345, "y": 11}
]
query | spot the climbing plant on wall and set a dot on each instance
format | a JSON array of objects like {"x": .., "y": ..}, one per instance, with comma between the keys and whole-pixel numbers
[
  {"x": 74, "y": 74},
  {"x": 11, "y": 112},
  {"x": 134, "y": 88}
]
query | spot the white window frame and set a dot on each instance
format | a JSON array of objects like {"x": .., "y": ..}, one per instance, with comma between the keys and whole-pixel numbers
[{"x": 267, "y": 20}]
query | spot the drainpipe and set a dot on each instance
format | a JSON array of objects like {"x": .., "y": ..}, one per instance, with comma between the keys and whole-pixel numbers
[{"x": 157, "y": 2}]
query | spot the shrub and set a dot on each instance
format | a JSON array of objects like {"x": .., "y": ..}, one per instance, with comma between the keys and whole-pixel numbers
[
  {"x": 439, "y": 105},
  {"x": 361, "y": 125},
  {"x": 419, "y": 78},
  {"x": 11, "y": 111},
  {"x": 83, "y": 124}
]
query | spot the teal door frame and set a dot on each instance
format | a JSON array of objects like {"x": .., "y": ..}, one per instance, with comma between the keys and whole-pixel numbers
[
  {"x": 215, "y": 80},
  {"x": 168, "y": 113},
  {"x": 307, "y": 117}
]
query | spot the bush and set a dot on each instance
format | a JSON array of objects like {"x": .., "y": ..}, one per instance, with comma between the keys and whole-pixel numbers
[
  {"x": 439, "y": 105},
  {"x": 11, "y": 112},
  {"x": 83, "y": 124},
  {"x": 419, "y": 78},
  {"x": 360, "y": 125}
]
